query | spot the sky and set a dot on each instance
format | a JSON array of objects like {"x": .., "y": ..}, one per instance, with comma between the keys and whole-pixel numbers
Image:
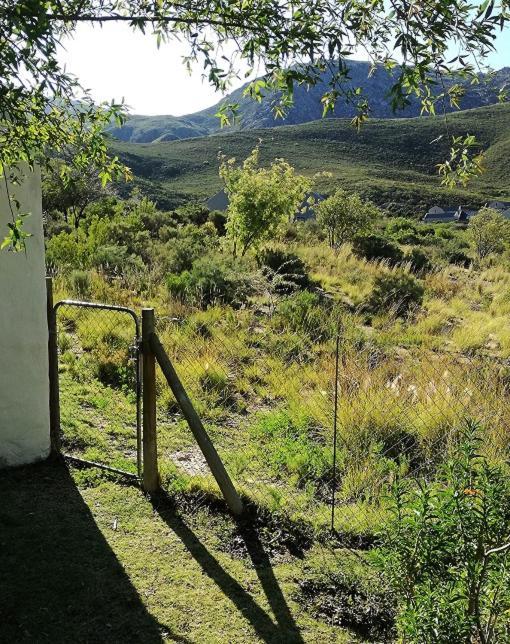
[{"x": 116, "y": 63}]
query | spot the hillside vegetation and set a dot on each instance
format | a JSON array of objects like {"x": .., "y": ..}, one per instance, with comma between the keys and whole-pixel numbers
[
  {"x": 389, "y": 161},
  {"x": 418, "y": 317},
  {"x": 307, "y": 106}
]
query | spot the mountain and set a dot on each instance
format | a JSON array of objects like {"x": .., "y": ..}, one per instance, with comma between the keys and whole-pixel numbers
[
  {"x": 391, "y": 161},
  {"x": 307, "y": 107}
]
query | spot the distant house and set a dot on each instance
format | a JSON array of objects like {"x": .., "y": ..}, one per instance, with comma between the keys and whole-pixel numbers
[
  {"x": 499, "y": 205},
  {"x": 465, "y": 212},
  {"x": 440, "y": 215},
  {"x": 219, "y": 201},
  {"x": 449, "y": 214}
]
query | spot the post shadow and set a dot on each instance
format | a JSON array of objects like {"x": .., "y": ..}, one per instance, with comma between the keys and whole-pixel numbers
[
  {"x": 59, "y": 579},
  {"x": 285, "y": 629}
]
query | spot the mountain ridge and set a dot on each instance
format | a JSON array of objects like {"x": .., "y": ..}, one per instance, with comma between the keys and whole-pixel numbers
[{"x": 307, "y": 108}]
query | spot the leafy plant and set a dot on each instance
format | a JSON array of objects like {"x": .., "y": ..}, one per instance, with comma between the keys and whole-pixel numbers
[
  {"x": 345, "y": 215},
  {"x": 398, "y": 292},
  {"x": 80, "y": 283},
  {"x": 489, "y": 231},
  {"x": 303, "y": 311},
  {"x": 285, "y": 271},
  {"x": 211, "y": 279},
  {"x": 261, "y": 199},
  {"x": 377, "y": 247},
  {"x": 446, "y": 551}
]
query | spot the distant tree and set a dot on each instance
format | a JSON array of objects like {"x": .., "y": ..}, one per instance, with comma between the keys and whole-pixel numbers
[
  {"x": 70, "y": 191},
  {"x": 489, "y": 232},
  {"x": 260, "y": 199},
  {"x": 345, "y": 215}
]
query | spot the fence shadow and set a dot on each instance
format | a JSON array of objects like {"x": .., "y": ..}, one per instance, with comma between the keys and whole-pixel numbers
[
  {"x": 285, "y": 629},
  {"x": 59, "y": 579}
]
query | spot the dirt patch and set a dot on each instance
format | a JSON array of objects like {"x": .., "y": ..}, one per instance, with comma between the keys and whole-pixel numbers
[
  {"x": 263, "y": 537},
  {"x": 191, "y": 461},
  {"x": 345, "y": 600}
]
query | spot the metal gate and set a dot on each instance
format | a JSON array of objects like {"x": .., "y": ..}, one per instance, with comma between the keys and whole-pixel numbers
[{"x": 99, "y": 385}]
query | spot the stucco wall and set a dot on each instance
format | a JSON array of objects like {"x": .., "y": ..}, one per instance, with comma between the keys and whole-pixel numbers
[{"x": 24, "y": 413}]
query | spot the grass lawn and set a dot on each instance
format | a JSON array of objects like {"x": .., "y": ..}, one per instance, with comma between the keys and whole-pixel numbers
[{"x": 89, "y": 559}]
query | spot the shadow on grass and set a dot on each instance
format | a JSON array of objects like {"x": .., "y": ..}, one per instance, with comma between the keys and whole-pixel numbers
[
  {"x": 285, "y": 628},
  {"x": 59, "y": 579}
]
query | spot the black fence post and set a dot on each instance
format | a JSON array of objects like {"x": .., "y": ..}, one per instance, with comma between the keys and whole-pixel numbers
[{"x": 54, "y": 397}]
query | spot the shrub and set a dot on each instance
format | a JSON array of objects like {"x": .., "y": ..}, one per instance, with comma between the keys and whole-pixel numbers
[
  {"x": 287, "y": 445},
  {"x": 286, "y": 271},
  {"x": 344, "y": 215},
  {"x": 403, "y": 231},
  {"x": 452, "y": 254},
  {"x": 219, "y": 221},
  {"x": 212, "y": 279},
  {"x": 303, "y": 312},
  {"x": 446, "y": 551},
  {"x": 398, "y": 292},
  {"x": 489, "y": 231},
  {"x": 418, "y": 260},
  {"x": 377, "y": 247},
  {"x": 80, "y": 283},
  {"x": 188, "y": 244}
]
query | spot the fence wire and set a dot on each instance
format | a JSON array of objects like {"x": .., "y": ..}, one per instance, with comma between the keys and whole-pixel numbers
[
  {"x": 317, "y": 428},
  {"x": 99, "y": 386},
  {"x": 312, "y": 426}
]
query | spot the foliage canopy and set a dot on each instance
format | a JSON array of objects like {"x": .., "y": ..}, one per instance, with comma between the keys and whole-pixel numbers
[
  {"x": 260, "y": 199},
  {"x": 345, "y": 215},
  {"x": 489, "y": 230}
]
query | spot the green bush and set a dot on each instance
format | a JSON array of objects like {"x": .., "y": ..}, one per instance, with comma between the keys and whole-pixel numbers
[
  {"x": 399, "y": 292},
  {"x": 286, "y": 271},
  {"x": 80, "y": 283},
  {"x": 287, "y": 445},
  {"x": 219, "y": 221},
  {"x": 452, "y": 253},
  {"x": 403, "y": 231},
  {"x": 187, "y": 245},
  {"x": 377, "y": 247},
  {"x": 446, "y": 551},
  {"x": 418, "y": 260},
  {"x": 212, "y": 279},
  {"x": 303, "y": 312}
]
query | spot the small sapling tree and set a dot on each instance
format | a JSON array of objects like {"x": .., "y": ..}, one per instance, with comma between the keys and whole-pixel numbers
[
  {"x": 260, "y": 199},
  {"x": 345, "y": 215},
  {"x": 489, "y": 232},
  {"x": 447, "y": 551}
]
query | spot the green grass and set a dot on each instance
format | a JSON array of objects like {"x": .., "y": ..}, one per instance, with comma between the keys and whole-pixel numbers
[
  {"x": 390, "y": 160},
  {"x": 85, "y": 559}
]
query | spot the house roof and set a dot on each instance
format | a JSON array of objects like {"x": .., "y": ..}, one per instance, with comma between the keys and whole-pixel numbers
[{"x": 447, "y": 215}]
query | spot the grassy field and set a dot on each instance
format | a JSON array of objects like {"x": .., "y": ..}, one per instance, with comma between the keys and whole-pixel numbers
[
  {"x": 104, "y": 563},
  {"x": 264, "y": 384},
  {"x": 389, "y": 161}
]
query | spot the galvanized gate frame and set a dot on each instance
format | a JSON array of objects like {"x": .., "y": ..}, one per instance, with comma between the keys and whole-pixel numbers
[{"x": 54, "y": 385}]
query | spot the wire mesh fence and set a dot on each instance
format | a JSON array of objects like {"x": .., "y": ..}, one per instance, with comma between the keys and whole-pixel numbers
[
  {"x": 317, "y": 427},
  {"x": 310, "y": 425},
  {"x": 99, "y": 384}
]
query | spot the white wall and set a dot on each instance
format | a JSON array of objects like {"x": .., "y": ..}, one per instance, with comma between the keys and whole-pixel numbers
[{"x": 24, "y": 412}]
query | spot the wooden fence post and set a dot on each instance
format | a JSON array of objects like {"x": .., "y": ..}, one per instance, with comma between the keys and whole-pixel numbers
[
  {"x": 150, "y": 450},
  {"x": 54, "y": 399},
  {"x": 195, "y": 424}
]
